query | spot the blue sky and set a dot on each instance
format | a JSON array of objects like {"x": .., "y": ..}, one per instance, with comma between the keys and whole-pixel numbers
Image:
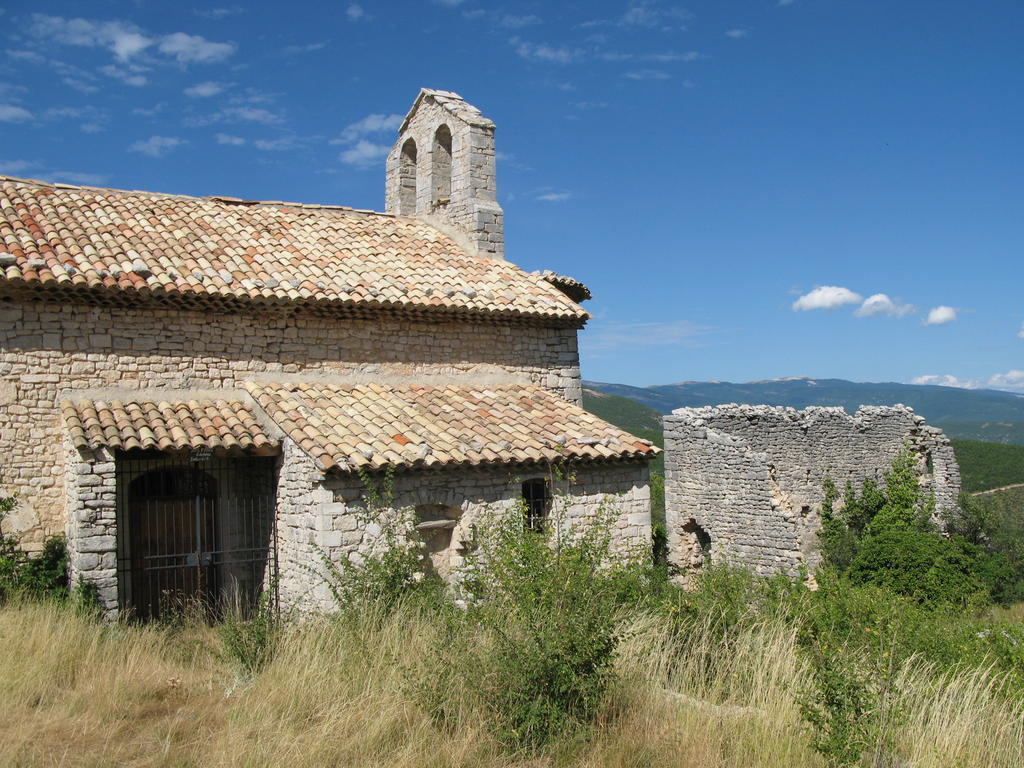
[{"x": 752, "y": 189}]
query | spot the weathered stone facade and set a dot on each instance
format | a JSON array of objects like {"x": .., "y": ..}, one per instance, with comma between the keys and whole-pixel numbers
[
  {"x": 49, "y": 349},
  {"x": 745, "y": 484},
  {"x": 442, "y": 169},
  {"x": 340, "y": 527}
]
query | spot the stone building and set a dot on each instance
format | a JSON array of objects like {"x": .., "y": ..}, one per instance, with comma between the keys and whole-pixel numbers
[
  {"x": 745, "y": 484},
  {"x": 194, "y": 390}
]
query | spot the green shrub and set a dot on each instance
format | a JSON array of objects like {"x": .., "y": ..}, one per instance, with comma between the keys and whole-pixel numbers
[
  {"x": 40, "y": 576},
  {"x": 923, "y": 566},
  {"x": 541, "y": 627}
]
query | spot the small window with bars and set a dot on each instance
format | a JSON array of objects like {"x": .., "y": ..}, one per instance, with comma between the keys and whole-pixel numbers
[{"x": 537, "y": 500}]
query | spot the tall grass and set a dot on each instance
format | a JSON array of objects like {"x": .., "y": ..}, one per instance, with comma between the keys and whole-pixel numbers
[{"x": 346, "y": 692}]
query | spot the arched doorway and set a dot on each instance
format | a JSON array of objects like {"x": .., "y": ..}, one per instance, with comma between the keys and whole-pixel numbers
[{"x": 194, "y": 532}]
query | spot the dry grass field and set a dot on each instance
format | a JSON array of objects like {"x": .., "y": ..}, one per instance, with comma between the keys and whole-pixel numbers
[{"x": 74, "y": 692}]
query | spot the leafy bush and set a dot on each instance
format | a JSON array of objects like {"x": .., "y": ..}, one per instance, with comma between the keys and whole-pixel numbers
[
  {"x": 927, "y": 568},
  {"x": 885, "y": 536},
  {"x": 539, "y": 635},
  {"x": 42, "y": 576}
]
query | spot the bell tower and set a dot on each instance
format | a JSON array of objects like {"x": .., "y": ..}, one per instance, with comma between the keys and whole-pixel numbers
[{"x": 441, "y": 169}]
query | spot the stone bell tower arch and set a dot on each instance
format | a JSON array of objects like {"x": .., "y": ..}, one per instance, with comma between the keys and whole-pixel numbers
[{"x": 442, "y": 169}]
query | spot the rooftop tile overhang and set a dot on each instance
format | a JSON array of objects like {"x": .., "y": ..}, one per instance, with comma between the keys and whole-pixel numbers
[
  {"x": 118, "y": 247},
  {"x": 373, "y": 426},
  {"x": 146, "y": 422},
  {"x": 359, "y": 427}
]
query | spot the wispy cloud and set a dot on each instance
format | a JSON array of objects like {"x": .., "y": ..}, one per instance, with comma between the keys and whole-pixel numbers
[
  {"x": 545, "y": 52},
  {"x": 126, "y": 41},
  {"x": 156, "y": 146},
  {"x": 881, "y": 304},
  {"x": 940, "y": 315},
  {"x": 648, "y": 13},
  {"x": 220, "y": 13},
  {"x": 293, "y": 50},
  {"x": 609, "y": 336},
  {"x": 9, "y": 113},
  {"x": 205, "y": 90},
  {"x": 188, "y": 48},
  {"x": 229, "y": 140},
  {"x": 361, "y": 151},
  {"x": 647, "y": 74},
  {"x": 363, "y": 154},
  {"x": 826, "y": 297},
  {"x": 511, "y": 21},
  {"x": 554, "y": 197},
  {"x": 737, "y": 33},
  {"x": 1020, "y": 333},
  {"x": 76, "y": 177},
  {"x": 356, "y": 12},
  {"x": 131, "y": 77}
]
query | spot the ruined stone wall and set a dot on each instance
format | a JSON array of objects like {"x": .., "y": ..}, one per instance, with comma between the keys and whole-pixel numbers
[
  {"x": 49, "y": 348},
  {"x": 331, "y": 517},
  {"x": 744, "y": 484}
]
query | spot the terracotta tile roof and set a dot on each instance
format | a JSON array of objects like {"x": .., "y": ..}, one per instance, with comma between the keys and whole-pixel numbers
[
  {"x": 128, "y": 424},
  {"x": 370, "y": 426},
  {"x": 116, "y": 246}
]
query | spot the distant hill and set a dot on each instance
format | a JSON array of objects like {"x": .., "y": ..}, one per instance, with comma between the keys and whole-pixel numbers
[
  {"x": 983, "y": 465},
  {"x": 968, "y": 413},
  {"x": 989, "y": 465}
]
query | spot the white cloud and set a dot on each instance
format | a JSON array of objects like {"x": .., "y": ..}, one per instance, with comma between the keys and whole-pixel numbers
[
  {"x": 647, "y": 74},
  {"x": 220, "y": 13},
  {"x": 363, "y": 153},
  {"x": 826, "y": 297},
  {"x": 156, "y": 146},
  {"x": 646, "y": 13},
  {"x": 133, "y": 78},
  {"x": 1020, "y": 333},
  {"x": 12, "y": 114},
  {"x": 554, "y": 197},
  {"x": 737, "y": 33},
  {"x": 675, "y": 56},
  {"x": 15, "y": 167},
  {"x": 121, "y": 38},
  {"x": 228, "y": 139},
  {"x": 625, "y": 336},
  {"x": 292, "y": 50},
  {"x": 273, "y": 145},
  {"x": 881, "y": 304},
  {"x": 509, "y": 21},
  {"x": 74, "y": 177},
  {"x": 450, "y": 3},
  {"x": 126, "y": 41},
  {"x": 545, "y": 52},
  {"x": 940, "y": 315},
  {"x": 1012, "y": 381},
  {"x": 1009, "y": 380},
  {"x": 355, "y": 12},
  {"x": 194, "y": 48},
  {"x": 205, "y": 90},
  {"x": 369, "y": 125},
  {"x": 944, "y": 380}
]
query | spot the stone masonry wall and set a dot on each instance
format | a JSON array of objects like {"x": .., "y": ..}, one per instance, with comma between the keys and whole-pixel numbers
[
  {"x": 49, "y": 348},
  {"x": 330, "y": 516},
  {"x": 472, "y": 206},
  {"x": 92, "y": 530},
  {"x": 744, "y": 484}
]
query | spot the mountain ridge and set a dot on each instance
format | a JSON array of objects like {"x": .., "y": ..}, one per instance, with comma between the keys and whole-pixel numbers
[{"x": 976, "y": 414}]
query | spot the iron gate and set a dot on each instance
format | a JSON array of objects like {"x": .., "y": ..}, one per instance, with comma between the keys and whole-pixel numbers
[{"x": 194, "y": 531}]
